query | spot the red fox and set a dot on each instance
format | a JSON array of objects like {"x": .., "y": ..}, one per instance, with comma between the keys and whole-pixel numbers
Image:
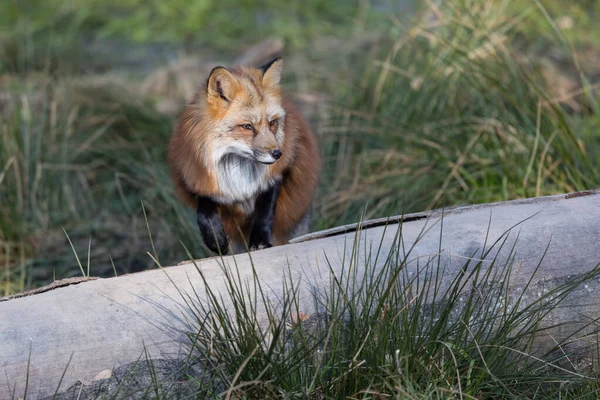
[{"x": 245, "y": 158}]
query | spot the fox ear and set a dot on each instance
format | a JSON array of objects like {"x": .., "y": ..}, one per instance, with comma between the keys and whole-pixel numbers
[
  {"x": 220, "y": 86},
  {"x": 272, "y": 72}
]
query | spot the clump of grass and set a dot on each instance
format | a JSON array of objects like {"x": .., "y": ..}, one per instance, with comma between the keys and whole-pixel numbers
[
  {"x": 144, "y": 20},
  {"x": 81, "y": 159},
  {"x": 389, "y": 331},
  {"x": 40, "y": 36},
  {"x": 575, "y": 19},
  {"x": 454, "y": 111},
  {"x": 190, "y": 23}
]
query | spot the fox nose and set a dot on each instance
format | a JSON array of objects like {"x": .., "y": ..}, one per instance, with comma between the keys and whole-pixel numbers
[{"x": 276, "y": 154}]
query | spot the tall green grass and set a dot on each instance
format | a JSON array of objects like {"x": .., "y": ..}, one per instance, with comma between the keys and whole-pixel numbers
[
  {"x": 453, "y": 107},
  {"x": 456, "y": 110},
  {"x": 82, "y": 160},
  {"x": 225, "y": 24}
]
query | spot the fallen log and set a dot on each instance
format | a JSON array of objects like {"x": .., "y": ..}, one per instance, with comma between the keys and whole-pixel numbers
[{"x": 101, "y": 324}]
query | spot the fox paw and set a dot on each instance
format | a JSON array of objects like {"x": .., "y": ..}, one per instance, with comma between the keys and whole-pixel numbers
[
  {"x": 259, "y": 241},
  {"x": 260, "y": 246},
  {"x": 218, "y": 244}
]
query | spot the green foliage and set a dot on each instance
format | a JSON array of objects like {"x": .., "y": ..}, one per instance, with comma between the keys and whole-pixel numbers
[
  {"x": 83, "y": 164},
  {"x": 455, "y": 107},
  {"x": 449, "y": 109},
  {"x": 150, "y": 20},
  {"x": 227, "y": 23},
  {"x": 40, "y": 35},
  {"x": 455, "y": 114},
  {"x": 577, "y": 20}
]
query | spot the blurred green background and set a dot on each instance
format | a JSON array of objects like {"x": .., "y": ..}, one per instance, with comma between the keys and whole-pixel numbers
[{"x": 417, "y": 105}]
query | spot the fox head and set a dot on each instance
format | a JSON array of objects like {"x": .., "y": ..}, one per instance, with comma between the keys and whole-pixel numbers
[{"x": 244, "y": 113}]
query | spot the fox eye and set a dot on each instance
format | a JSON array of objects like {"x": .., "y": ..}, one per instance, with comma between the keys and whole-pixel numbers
[
  {"x": 272, "y": 123},
  {"x": 247, "y": 127}
]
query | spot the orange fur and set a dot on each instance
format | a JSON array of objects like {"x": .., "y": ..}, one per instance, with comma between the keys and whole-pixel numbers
[{"x": 210, "y": 126}]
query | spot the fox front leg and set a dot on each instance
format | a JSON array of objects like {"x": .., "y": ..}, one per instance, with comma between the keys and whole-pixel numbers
[
  {"x": 264, "y": 216},
  {"x": 211, "y": 227}
]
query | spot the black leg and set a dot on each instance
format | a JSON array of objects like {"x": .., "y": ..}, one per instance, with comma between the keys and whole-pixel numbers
[
  {"x": 264, "y": 216},
  {"x": 210, "y": 226}
]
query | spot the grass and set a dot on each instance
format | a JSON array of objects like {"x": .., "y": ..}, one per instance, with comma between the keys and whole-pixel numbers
[
  {"x": 385, "y": 332},
  {"x": 454, "y": 112},
  {"x": 383, "y": 327},
  {"x": 475, "y": 121},
  {"x": 465, "y": 102},
  {"x": 42, "y": 35},
  {"x": 456, "y": 106},
  {"x": 77, "y": 174}
]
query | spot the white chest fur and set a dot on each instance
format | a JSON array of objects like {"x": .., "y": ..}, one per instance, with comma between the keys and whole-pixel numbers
[{"x": 240, "y": 179}]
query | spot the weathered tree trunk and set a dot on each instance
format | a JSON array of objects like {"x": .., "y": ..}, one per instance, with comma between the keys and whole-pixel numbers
[{"x": 105, "y": 323}]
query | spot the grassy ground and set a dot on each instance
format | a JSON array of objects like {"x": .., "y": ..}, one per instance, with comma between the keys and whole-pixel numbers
[
  {"x": 416, "y": 106},
  {"x": 470, "y": 101}
]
